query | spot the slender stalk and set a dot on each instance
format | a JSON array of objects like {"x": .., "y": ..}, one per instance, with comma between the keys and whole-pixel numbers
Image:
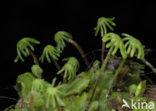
[
  {"x": 116, "y": 74},
  {"x": 99, "y": 76},
  {"x": 149, "y": 65},
  {"x": 57, "y": 106},
  {"x": 34, "y": 57},
  {"x": 149, "y": 79},
  {"x": 106, "y": 60},
  {"x": 59, "y": 83},
  {"x": 44, "y": 105},
  {"x": 118, "y": 71},
  {"x": 102, "y": 51},
  {"x": 56, "y": 64},
  {"x": 32, "y": 101},
  {"x": 5, "y": 97},
  {"x": 124, "y": 73},
  {"x": 58, "y": 67},
  {"x": 103, "y": 45},
  {"x": 75, "y": 44}
]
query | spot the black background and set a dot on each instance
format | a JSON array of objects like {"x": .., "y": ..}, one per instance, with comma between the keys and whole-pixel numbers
[{"x": 41, "y": 19}]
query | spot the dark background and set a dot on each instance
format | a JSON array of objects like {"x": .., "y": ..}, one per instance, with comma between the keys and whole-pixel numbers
[{"x": 41, "y": 19}]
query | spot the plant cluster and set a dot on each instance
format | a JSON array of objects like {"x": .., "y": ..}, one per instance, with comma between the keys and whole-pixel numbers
[{"x": 102, "y": 87}]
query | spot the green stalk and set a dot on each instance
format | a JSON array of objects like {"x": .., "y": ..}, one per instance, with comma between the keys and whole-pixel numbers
[
  {"x": 116, "y": 74},
  {"x": 56, "y": 64},
  {"x": 32, "y": 101},
  {"x": 118, "y": 71},
  {"x": 107, "y": 58},
  {"x": 44, "y": 105},
  {"x": 5, "y": 97},
  {"x": 76, "y": 45},
  {"x": 58, "y": 67},
  {"x": 99, "y": 76},
  {"x": 102, "y": 51},
  {"x": 103, "y": 44},
  {"x": 149, "y": 79},
  {"x": 125, "y": 72},
  {"x": 57, "y": 106},
  {"x": 34, "y": 57},
  {"x": 149, "y": 65}
]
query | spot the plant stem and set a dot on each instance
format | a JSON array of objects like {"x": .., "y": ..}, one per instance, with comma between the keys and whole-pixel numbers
[
  {"x": 58, "y": 67},
  {"x": 32, "y": 101},
  {"x": 57, "y": 106},
  {"x": 107, "y": 59},
  {"x": 118, "y": 71},
  {"x": 116, "y": 74},
  {"x": 59, "y": 83},
  {"x": 149, "y": 65},
  {"x": 99, "y": 76},
  {"x": 44, "y": 105},
  {"x": 55, "y": 63},
  {"x": 75, "y": 44},
  {"x": 124, "y": 73},
  {"x": 5, "y": 97},
  {"x": 102, "y": 51},
  {"x": 149, "y": 79},
  {"x": 34, "y": 57}
]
